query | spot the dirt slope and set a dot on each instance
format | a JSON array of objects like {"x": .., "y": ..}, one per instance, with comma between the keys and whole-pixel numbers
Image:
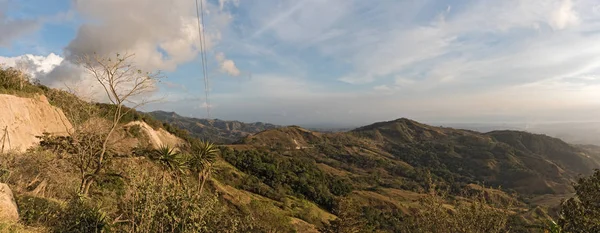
[
  {"x": 158, "y": 137},
  {"x": 25, "y": 118}
]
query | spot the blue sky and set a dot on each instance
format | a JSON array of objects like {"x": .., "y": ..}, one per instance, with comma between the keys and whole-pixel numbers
[{"x": 331, "y": 62}]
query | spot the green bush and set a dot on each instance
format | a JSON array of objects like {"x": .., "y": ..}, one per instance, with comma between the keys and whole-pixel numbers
[
  {"x": 82, "y": 215},
  {"x": 582, "y": 212},
  {"x": 293, "y": 175},
  {"x": 14, "y": 81},
  {"x": 38, "y": 211},
  {"x": 156, "y": 206}
]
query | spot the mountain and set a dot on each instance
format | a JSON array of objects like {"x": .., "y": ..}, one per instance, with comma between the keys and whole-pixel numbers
[
  {"x": 216, "y": 130},
  {"x": 400, "y": 151},
  {"x": 388, "y": 168}
]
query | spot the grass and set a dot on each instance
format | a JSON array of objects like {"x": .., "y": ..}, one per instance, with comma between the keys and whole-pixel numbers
[{"x": 9, "y": 227}]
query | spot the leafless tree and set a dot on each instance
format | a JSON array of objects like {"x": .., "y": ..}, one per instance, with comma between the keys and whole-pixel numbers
[{"x": 123, "y": 83}]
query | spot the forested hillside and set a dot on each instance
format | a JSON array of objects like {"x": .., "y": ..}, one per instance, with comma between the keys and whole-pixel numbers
[{"x": 388, "y": 167}]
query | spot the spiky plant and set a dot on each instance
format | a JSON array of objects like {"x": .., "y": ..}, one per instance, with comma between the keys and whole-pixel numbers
[
  {"x": 169, "y": 158},
  {"x": 553, "y": 227},
  {"x": 203, "y": 155}
]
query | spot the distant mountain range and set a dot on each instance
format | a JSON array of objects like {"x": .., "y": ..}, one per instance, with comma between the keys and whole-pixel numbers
[
  {"x": 529, "y": 164},
  {"x": 216, "y": 130},
  {"x": 388, "y": 166},
  {"x": 571, "y": 132}
]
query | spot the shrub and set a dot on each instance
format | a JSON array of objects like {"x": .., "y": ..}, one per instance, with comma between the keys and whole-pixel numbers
[
  {"x": 475, "y": 215},
  {"x": 38, "y": 211},
  {"x": 81, "y": 215},
  {"x": 582, "y": 212},
  {"x": 268, "y": 218},
  {"x": 155, "y": 206},
  {"x": 14, "y": 81}
]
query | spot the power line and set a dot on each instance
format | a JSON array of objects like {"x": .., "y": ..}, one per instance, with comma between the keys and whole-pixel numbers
[{"x": 202, "y": 39}]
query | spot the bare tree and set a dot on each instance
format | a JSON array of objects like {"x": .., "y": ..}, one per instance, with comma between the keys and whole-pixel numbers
[{"x": 123, "y": 84}]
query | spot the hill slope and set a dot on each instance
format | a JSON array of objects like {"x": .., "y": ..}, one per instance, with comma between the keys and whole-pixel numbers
[
  {"x": 26, "y": 118},
  {"x": 401, "y": 151}
]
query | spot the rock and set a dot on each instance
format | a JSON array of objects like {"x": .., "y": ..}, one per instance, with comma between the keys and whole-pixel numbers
[{"x": 8, "y": 206}]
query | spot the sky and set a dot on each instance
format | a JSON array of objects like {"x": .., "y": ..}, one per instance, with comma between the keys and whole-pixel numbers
[{"x": 329, "y": 62}]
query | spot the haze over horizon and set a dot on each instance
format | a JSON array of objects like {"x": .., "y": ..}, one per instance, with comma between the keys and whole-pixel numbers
[{"x": 338, "y": 62}]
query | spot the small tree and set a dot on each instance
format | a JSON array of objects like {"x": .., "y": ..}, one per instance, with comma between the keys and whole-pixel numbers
[
  {"x": 123, "y": 83},
  {"x": 203, "y": 155},
  {"x": 350, "y": 219},
  {"x": 582, "y": 212},
  {"x": 12, "y": 78}
]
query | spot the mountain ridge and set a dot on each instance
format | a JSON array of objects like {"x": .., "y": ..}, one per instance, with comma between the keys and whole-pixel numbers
[
  {"x": 216, "y": 130},
  {"x": 511, "y": 159}
]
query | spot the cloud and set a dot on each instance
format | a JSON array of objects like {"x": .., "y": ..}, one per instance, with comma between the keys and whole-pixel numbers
[
  {"x": 163, "y": 34},
  {"x": 357, "y": 62},
  {"x": 227, "y": 66},
  {"x": 222, "y": 3},
  {"x": 379, "y": 44},
  {"x": 36, "y": 66},
  {"x": 564, "y": 16},
  {"x": 12, "y": 28},
  {"x": 297, "y": 21},
  {"x": 484, "y": 60}
]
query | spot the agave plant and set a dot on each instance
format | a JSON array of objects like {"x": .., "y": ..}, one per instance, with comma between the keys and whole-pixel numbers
[
  {"x": 553, "y": 227},
  {"x": 203, "y": 155},
  {"x": 169, "y": 158}
]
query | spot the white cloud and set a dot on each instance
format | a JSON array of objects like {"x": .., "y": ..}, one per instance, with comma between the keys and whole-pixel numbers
[
  {"x": 564, "y": 15},
  {"x": 526, "y": 58},
  {"x": 163, "y": 34},
  {"x": 226, "y": 65},
  {"x": 481, "y": 59},
  {"x": 297, "y": 21},
  {"x": 382, "y": 88},
  {"x": 378, "y": 42},
  {"x": 34, "y": 65}
]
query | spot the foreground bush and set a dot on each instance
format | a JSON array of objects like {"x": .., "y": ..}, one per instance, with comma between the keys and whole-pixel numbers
[
  {"x": 38, "y": 211},
  {"x": 154, "y": 206},
  {"x": 82, "y": 215},
  {"x": 582, "y": 212},
  {"x": 433, "y": 214}
]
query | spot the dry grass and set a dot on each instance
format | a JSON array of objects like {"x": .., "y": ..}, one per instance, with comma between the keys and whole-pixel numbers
[
  {"x": 402, "y": 195},
  {"x": 331, "y": 170},
  {"x": 550, "y": 200},
  {"x": 18, "y": 228},
  {"x": 302, "y": 226},
  {"x": 39, "y": 173}
]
